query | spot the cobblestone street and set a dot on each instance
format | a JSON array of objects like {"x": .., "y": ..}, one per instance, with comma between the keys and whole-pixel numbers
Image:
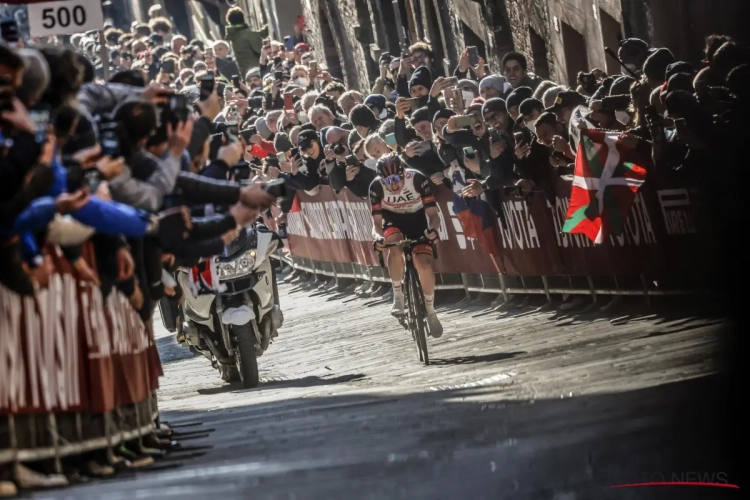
[{"x": 520, "y": 405}]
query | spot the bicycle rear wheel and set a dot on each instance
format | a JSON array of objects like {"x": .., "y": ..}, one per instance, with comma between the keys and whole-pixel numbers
[{"x": 419, "y": 316}]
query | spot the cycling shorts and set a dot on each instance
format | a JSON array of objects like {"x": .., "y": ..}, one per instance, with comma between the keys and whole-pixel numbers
[{"x": 411, "y": 226}]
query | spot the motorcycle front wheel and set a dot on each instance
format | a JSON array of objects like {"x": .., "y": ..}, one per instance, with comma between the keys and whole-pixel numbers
[{"x": 244, "y": 353}]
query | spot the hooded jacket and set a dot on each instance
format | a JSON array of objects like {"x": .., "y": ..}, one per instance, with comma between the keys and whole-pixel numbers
[{"x": 246, "y": 45}]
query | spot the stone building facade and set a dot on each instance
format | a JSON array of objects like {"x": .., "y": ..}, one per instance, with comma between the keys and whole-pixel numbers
[
  {"x": 559, "y": 37},
  {"x": 683, "y": 25}
]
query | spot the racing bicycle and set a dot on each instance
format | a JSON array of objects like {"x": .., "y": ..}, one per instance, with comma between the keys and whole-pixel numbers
[{"x": 415, "y": 318}]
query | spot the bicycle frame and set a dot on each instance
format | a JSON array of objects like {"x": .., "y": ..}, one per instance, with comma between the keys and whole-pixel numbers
[{"x": 415, "y": 318}]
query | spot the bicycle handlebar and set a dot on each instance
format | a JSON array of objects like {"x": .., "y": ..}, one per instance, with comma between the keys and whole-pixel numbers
[{"x": 403, "y": 243}]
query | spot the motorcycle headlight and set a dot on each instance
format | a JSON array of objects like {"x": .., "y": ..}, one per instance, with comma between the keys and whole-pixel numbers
[
  {"x": 241, "y": 266},
  {"x": 246, "y": 263}
]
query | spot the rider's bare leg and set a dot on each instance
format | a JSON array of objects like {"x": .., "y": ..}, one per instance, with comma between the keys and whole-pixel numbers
[
  {"x": 396, "y": 271},
  {"x": 423, "y": 263}
]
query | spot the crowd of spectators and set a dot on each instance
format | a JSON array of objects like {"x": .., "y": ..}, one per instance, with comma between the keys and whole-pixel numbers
[{"x": 159, "y": 165}]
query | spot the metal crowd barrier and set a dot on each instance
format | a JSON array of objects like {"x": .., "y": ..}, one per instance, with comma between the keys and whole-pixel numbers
[
  {"x": 34, "y": 437},
  {"x": 499, "y": 284}
]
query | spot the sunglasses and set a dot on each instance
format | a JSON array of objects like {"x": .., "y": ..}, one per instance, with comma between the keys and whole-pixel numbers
[{"x": 392, "y": 179}]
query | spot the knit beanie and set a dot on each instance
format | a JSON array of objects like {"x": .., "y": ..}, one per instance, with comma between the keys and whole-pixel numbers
[{"x": 421, "y": 76}]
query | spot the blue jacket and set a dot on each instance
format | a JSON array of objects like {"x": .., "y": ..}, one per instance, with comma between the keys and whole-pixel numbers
[{"x": 106, "y": 217}]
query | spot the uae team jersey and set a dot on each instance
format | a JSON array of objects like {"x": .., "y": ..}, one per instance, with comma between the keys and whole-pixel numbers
[{"x": 415, "y": 196}]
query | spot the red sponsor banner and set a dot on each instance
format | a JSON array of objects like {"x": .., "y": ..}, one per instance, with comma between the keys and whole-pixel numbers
[
  {"x": 663, "y": 222},
  {"x": 332, "y": 227},
  {"x": 319, "y": 232},
  {"x": 69, "y": 349},
  {"x": 631, "y": 253},
  {"x": 528, "y": 246}
]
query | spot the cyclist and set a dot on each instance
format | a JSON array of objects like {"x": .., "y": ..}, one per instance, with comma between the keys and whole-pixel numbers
[{"x": 403, "y": 207}]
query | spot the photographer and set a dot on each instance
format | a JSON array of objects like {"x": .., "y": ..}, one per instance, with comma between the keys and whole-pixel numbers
[
  {"x": 301, "y": 171},
  {"x": 335, "y": 149},
  {"x": 137, "y": 121}
]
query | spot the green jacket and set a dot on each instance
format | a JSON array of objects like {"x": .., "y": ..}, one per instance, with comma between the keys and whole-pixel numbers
[{"x": 246, "y": 44}]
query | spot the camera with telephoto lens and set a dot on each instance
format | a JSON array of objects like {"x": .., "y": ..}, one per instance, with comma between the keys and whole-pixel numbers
[{"x": 339, "y": 149}]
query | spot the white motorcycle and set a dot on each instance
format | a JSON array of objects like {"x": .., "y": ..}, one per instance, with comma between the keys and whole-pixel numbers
[{"x": 234, "y": 325}]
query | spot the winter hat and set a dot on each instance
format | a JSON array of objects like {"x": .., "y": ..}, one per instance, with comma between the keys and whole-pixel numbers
[
  {"x": 362, "y": 116},
  {"x": 468, "y": 85},
  {"x": 496, "y": 82},
  {"x": 192, "y": 92},
  {"x": 443, "y": 113},
  {"x": 494, "y": 105},
  {"x": 679, "y": 81},
  {"x": 678, "y": 67},
  {"x": 633, "y": 47},
  {"x": 603, "y": 90},
  {"x": 476, "y": 105},
  {"x": 421, "y": 76},
  {"x": 281, "y": 142},
  {"x": 621, "y": 86},
  {"x": 519, "y": 95},
  {"x": 263, "y": 129},
  {"x": 252, "y": 73},
  {"x": 656, "y": 64},
  {"x": 420, "y": 115},
  {"x": 377, "y": 101}
]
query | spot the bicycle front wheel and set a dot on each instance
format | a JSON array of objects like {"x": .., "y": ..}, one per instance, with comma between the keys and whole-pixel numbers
[{"x": 419, "y": 315}]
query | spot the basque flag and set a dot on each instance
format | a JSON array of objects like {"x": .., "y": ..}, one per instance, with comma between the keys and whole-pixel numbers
[{"x": 607, "y": 177}]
